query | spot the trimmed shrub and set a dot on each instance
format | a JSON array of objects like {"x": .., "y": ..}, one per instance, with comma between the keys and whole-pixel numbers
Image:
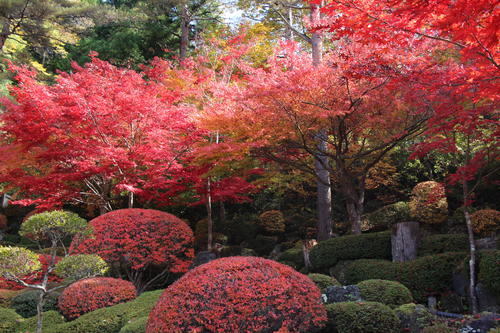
[
  {"x": 428, "y": 203},
  {"x": 55, "y": 224},
  {"x": 25, "y": 303},
  {"x": 489, "y": 270},
  {"x": 424, "y": 276},
  {"x": 32, "y": 277},
  {"x": 390, "y": 293},
  {"x": 361, "y": 317},
  {"x": 435, "y": 244},
  {"x": 367, "y": 246},
  {"x": 136, "y": 326},
  {"x": 485, "y": 222},
  {"x": 111, "y": 319},
  {"x": 272, "y": 222},
  {"x": 323, "y": 281},
  {"x": 81, "y": 266},
  {"x": 385, "y": 217},
  {"x": 293, "y": 257},
  {"x": 9, "y": 320},
  {"x": 239, "y": 294},
  {"x": 50, "y": 319},
  {"x": 92, "y": 294},
  {"x": 142, "y": 241},
  {"x": 414, "y": 317},
  {"x": 263, "y": 245}
]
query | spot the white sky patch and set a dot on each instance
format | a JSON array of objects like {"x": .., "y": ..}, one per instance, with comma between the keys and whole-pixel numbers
[{"x": 232, "y": 15}]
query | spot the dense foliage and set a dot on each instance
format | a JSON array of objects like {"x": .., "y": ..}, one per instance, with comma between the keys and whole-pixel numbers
[
  {"x": 428, "y": 203},
  {"x": 239, "y": 294},
  {"x": 91, "y": 294},
  {"x": 390, "y": 293}
]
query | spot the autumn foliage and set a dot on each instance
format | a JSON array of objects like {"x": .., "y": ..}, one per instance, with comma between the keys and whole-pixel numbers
[
  {"x": 486, "y": 222},
  {"x": 428, "y": 203},
  {"x": 92, "y": 294},
  {"x": 239, "y": 294},
  {"x": 33, "y": 278},
  {"x": 140, "y": 241}
]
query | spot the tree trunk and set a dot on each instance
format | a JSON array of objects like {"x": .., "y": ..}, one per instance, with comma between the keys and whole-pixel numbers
[
  {"x": 222, "y": 212},
  {"x": 324, "y": 194},
  {"x": 39, "y": 312},
  {"x": 472, "y": 247},
  {"x": 353, "y": 190},
  {"x": 404, "y": 241},
  {"x": 131, "y": 200},
  {"x": 290, "y": 21},
  {"x": 185, "y": 22},
  {"x": 210, "y": 223}
]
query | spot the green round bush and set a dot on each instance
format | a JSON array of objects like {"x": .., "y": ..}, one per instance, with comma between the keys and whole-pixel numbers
[
  {"x": 387, "y": 292},
  {"x": 323, "y": 281},
  {"x": 9, "y": 319},
  {"x": 383, "y": 218},
  {"x": 25, "y": 303},
  {"x": 361, "y": 317},
  {"x": 413, "y": 317},
  {"x": 52, "y": 224},
  {"x": 81, "y": 266},
  {"x": 272, "y": 222},
  {"x": 292, "y": 257}
]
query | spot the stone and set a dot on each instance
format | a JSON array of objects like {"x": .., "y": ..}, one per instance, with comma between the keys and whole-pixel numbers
[
  {"x": 275, "y": 253},
  {"x": 404, "y": 240},
  {"x": 203, "y": 257},
  {"x": 432, "y": 303},
  {"x": 336, "y": 294},
  {"x": 483, "y": 324},
  {"x": 486, "y": 299},
  {"x": 414, "y": 317}
]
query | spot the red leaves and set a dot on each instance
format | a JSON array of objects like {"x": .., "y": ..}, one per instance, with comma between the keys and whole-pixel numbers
[
  {"x": 239, "y": 294},
  {"x": 140, "y": 239},
  {"x": 92, "y": 294}
]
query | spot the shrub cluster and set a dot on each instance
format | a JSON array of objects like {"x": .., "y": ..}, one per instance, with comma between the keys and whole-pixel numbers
[
  {"x": 8, "y": 320},
  {"x": 239, "y": 294},
  {"x": 385, "y": 217},
  {"x": 414, "y": 317},
  {"x": 323, "y": 281},
  {"x": 272, "y": 222},
  {"x": 50, "y": 319},
  {"x": 435, "y": 244},
  {"x": 367, "y": 246},
  {"x": 489, "y": 270},
  {"x": 390, "y": 293},
  {"x": 428, "y": 203},
  {"x": 361, "y": 317},
  {"x": 25, "y": 303},
  {"x": 424, "y": 276},
  {"x": 91, "y": 294},
  {"x": 485, "y": 222},
  {"x": 293, "y": 257}
]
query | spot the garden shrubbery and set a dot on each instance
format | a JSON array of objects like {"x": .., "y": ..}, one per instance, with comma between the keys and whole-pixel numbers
[
  {"x": 361, "y": 317},
  {"x": 323, "y": 281},
  {"x": 428, "y": 203},
  {"x": 25, "y": 303},
  {"x": 390, "y": 293},
  {"x": 366, "y": 246},
  {"x": 435, "y": 244},
  {"x": 489, "y": 270},
  {"x": 239, "y": 294},
  {"x": 9, "y": 319},
  {"x": 383, "y": 218},
  {"x": 92, "y": 294},
  {"x": 272, "y": 222},
  {"x": 485, "y": 222}
]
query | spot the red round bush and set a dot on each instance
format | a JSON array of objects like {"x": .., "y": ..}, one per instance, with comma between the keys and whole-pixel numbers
[
  {"x": 147, "y": 243},
  {"x": 239, "y": 294},
  {"x": 92, "y": 294}
]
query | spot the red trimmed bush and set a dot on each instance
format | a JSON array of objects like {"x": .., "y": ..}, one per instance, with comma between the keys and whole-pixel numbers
[
  {"x": 239, "y": 294},
  {"x": 92, "y": 294},
  {"x": 148, "y": 244}
]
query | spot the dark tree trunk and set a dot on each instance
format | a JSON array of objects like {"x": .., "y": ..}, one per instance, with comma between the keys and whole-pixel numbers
[
  {"x": 472, "y": 247},
  {"x": 210, "y": 222},
  {"x": 4, "y": 34},
  {"x": 185, "y": 22},
  {"x": 353, "y": 190}
]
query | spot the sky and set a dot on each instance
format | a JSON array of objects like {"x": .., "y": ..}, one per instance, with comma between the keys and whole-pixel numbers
[{"x": 232, "y": 15}]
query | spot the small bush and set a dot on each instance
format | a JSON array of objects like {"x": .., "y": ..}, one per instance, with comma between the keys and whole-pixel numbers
[
  {"x": 263, "y": 245},
  {"x": 367, "y": 246},
  {"x": 436, "y": 244},
  {"x": 489, "y": 270},
  {"x": 9, "y": 319},
  {"x": 52, "y": 224},
  {"x": 25, "y": 303},
  {"x": 323, "y": 281},
  {"x": 485, "y": 222},
  {"x": 136, "y": 326},
  {"x": 428, "y": 203},
  {"x": 385, "y": 217},
  {"x": 239, "y": 294},
  {"x": 424, "y": 276},
  {"x": 92, "y": 294},
  {"x": 110, "y": 319},
  {"x": 390, "y": 293},
  {"x": 272, "y": 222},
  {"x": 361, "y": 317},
  {"x": 81, "y": 266},
  {"x": 50, "y": 319},
  {"x": 414, "y": 317},
  {"x": 293, "y": 257}
]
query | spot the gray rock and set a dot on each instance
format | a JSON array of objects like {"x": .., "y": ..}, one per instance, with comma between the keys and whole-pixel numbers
[
  {"x": 487, "y": 243},
  {"x": 414, "y": 317},
  {"x": 482, "y": 325},
  {"x": 336, "y": 294},
  {"x": 486, "y": 299},
  {"x": 202, "y": 258}
]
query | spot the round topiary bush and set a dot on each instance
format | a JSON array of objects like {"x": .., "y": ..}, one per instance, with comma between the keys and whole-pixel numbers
[
  {"x": 323, "y": 281},
  {"x": 147, "y": 244},
  {"x": 239, "y": 294},
  {"x": 387, "y": 292},
  {"x": 9, "y": 319},
  {"x": 385, "y": 217},
  {"x": 272, "y": 222},
  {"x": 428, "y": 203},
  {"x": 92, "y": 294},
  {"x": 485, "y": 222},
  {"x": 25, "y": 303},
  {"x": 361, "y": 317}
]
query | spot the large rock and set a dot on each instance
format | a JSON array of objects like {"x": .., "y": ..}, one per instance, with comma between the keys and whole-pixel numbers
[
  {"x": 203, "y": 257},
  {"x": 336, "y": 294}
]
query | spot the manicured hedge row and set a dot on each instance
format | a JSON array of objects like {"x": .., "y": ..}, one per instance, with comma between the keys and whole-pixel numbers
[
  {"x": 367, "y": 246},
  {"x": 489, "y": 270},
  {"x": 423, "y": 276},
  {"x": 111, "y": 319},
  {"x": 435, "y": 244}
]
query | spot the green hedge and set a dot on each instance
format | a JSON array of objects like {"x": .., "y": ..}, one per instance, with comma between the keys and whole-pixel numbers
[
  {"x": 25, "y": 303},
  {"x": 489, "y": 270},
  {"x": 436, "y": 244},
  {"x": 385, "y": 217},
  {"x": 390, "y": 293},
  {"x": 423, "y": 276},
  {"x": 323, "y": 281},
  {"x": 366, "y": 246},
  {"x": 49, "y": 319},
  {"x": 136, "y": 326},
  {"x": 8, "y": 320},
  {"x": 111, "y": 319},
  {"x": 292, "y": 257},
  {"x": 361, "y": 317}
]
